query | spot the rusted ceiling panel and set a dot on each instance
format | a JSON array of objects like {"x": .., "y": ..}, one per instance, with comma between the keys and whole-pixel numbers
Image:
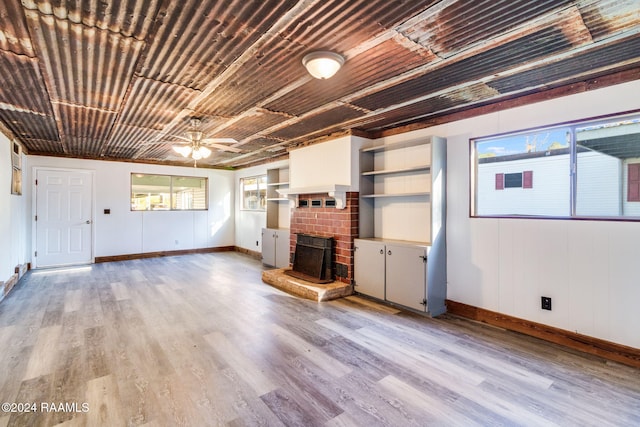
[
  {"x": 316, "y": 28},
  {"x": 44, "y": 147},
  {"x": 427, "y": 108},
  {"x": 153, "y": 104},
  {"x": 26, "y": 126},
  {"x": 121, "y": 78},
  {"x": 22, "y": 86},
  {"x": 328, "y": 119},
  {"x": 83, "y": 65},
  {"x": 242, "y": 91},
  {"x": 250, "y": 125},
  {"x": 381, "y": 62},
  {"x": 259, "y": 144},
  {"x": 342, "y": 25},
  {"x": 126, "y": 141},
  {"x": 605, "y": 18},
  {"x": 457, "y": 25},
  {"x": 199, "y": 39},
  {"x": 254, "y": 158},
  {"x": 85, "y": 123},
  {"x": 131, "y": 18},
  {"x": 620, "y": 54},
  {"x": 82, "y": 147},
  {"x": 530, "y": 47},
  {"x": 14, "y": 35}
]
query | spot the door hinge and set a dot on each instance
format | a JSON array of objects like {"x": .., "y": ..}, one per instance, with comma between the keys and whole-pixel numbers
[
  {"x": 36, "y": 217},
  {"x": 424, "y": 258},
  {"x": 36, "y": 182},
  {"x": 35, "y": 253},
  {"x": 424, "y": 302}
]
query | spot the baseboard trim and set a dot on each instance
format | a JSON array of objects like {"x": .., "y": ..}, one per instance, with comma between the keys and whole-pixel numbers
[
  {"x": 128, "y": 257},
  {"x": 595, "y": 346},
  {"x": 19, "y": 271},
  {"x": 254, "y": 254}
]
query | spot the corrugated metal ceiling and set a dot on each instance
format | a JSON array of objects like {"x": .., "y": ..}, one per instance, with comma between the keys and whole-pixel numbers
[{"x": 120, "y": 79}]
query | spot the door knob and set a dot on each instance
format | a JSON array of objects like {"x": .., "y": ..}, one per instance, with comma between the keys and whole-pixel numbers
[
  {"x": 88, "y": 221},
  {"x": 389, "y": 252}
]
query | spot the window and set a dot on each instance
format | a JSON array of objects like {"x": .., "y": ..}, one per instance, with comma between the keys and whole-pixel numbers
[
  {"x": 253, "y": 192},
  {"x": 166, "y": 192},
  {"x": 584, "y": 170}
]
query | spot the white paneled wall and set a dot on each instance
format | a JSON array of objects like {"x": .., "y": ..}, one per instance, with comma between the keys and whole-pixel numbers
[
  {"x": 127, "y": 232},
  {"x": 590, "y": 269},
  {"x": 250, "y": 223}
]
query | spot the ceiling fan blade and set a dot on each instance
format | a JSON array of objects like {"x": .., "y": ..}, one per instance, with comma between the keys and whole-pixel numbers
[
  {"x": 181, "y": 137},
  {"x": 219, "y": 141},
  {"x": 225, "y": 148}
]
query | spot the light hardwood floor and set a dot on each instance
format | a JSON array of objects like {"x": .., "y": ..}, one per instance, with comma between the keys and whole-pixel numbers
[{"x": 199, "y": 340}]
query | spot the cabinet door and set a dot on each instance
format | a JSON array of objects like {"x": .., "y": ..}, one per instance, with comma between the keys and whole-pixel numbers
[
  {"x": 406, "y": 275},
  {"x": 369, "y": 268},
  {"x": 282, "y": 248},
  {"x": 268, "y": 247}
]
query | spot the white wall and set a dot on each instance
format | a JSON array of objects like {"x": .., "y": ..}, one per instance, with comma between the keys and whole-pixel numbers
[
  {"x": 13, "y": 234},
  {"x": 588, "y": 268},
  {"x": 249, "y": 224},
  {"x": 328, "y": 163},
  {"x": 131, "y": 232}
]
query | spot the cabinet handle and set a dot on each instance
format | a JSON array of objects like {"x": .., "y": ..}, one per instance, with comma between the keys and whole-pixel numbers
[
  {"x": 389, "y": 252},
  {"x": 381, "y": 251}
]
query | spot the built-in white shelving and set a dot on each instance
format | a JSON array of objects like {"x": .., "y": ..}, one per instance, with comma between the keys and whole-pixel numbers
[{"x": 400, "y": 255}]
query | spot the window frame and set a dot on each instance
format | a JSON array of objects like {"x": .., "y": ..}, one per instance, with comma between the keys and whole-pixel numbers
[
  {"x": 573, "y": 169},
  {"x": 262, "y": 207},
  {"x": 170, "y": 192}
]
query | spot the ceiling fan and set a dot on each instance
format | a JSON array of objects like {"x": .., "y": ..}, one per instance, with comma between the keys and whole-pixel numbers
[{"x": 197, "y": 147}]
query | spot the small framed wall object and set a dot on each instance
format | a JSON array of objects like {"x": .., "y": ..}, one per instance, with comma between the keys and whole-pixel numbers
[
  {"x": 16, "y": 181},
  {"x": 16, "y": 168}
]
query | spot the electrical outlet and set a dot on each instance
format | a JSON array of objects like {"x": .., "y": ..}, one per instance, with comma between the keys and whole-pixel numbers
[{"x": 545, "y": 303}]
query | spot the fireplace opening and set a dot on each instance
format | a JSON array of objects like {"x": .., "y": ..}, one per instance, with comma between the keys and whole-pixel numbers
[{"x": 313, "y": 259}]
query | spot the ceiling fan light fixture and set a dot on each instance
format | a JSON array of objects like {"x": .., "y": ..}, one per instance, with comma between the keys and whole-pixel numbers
[
  {"x": 184, "y": 150},
  {"x": 322, "y": 64},
  {"x": 204, "y": 152}
]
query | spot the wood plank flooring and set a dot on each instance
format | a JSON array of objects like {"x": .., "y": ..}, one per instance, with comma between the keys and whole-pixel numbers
[{"x": 199, "y": 340}]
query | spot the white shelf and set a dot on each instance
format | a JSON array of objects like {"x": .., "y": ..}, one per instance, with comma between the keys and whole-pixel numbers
[
  {"x": 395, "y": 146},
  {"x": 277, "y": 184},
  {"x": 394, "y": 171},
  {"x": 416, "y": 194},
  {"x": 277, "y": 199}
]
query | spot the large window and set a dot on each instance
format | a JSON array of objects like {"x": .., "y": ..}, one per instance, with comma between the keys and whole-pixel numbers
[
  {"x": 166, "y": 192},
  {"x": 253, "y": 192},
  {"x": 583, "y": 170}
]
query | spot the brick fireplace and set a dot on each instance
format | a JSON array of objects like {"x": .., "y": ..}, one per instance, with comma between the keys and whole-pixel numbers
[{"x": 327, "y": 221}]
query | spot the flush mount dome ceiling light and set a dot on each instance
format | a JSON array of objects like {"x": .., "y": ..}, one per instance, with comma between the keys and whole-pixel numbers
[{"x": 322, "y": 64}]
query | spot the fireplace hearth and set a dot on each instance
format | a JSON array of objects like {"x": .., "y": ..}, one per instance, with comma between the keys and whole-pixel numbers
[{"x": 313, "y": 259}]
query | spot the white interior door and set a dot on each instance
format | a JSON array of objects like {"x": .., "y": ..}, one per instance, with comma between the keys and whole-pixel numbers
[{"x": 63, "y": 218}]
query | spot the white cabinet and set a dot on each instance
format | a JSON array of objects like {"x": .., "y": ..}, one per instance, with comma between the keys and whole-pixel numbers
[
  {"x": 369, "y": 270},
  {"x": 403, "y": 210},
  {"x": 275, "y": 247}
]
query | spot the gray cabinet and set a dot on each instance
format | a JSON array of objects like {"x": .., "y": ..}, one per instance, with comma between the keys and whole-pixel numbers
[
  {"x": 369, "y": 270},
  {"x": 403, "y": 210},
  {"x": 406, "y": 275},
  {"x": 275, "y": 247}
]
